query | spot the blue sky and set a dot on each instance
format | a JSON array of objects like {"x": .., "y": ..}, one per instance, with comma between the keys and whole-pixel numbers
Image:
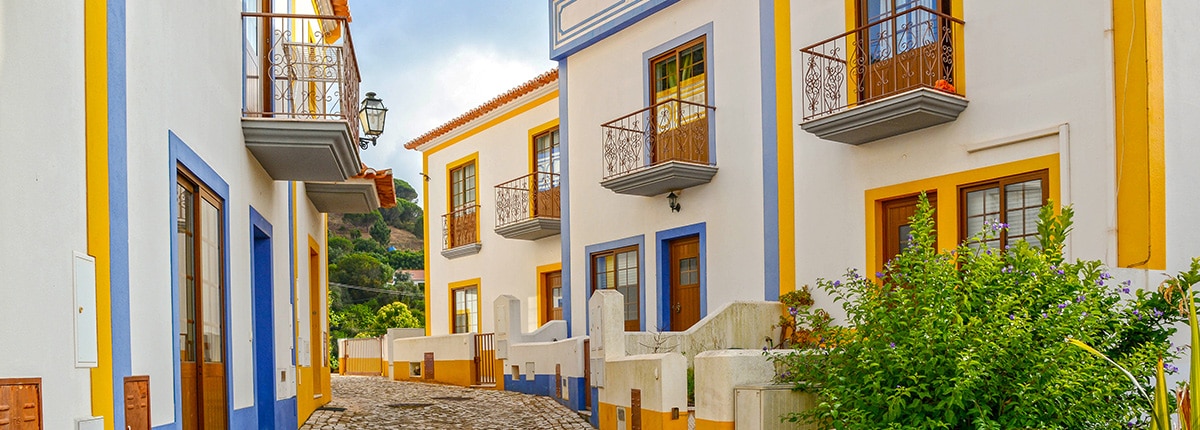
[{"x": 432, "y": 60}]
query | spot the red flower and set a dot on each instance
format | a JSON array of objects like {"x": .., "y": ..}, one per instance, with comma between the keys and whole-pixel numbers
[{"x": 941, "y": 84}]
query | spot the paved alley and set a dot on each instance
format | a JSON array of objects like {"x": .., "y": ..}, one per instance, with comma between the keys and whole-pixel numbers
[{"x": 378, "y": 403}]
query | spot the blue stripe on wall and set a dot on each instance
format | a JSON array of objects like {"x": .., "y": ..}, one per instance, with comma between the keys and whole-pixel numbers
[
  {"x": 118, "y": 198},
  {"x": 263, "y": 293},
  {"x": 565, "y": 199},
  {"x": 770, "y": 134}
]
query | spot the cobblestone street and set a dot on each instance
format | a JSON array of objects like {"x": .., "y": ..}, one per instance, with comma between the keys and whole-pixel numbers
[{"x": 378, "y": 403}]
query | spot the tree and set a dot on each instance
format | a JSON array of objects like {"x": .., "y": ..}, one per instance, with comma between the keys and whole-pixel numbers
[
  {"x": 338, "y": 246},
  {"x": 405, "y": 259},
  {"x": 360, "y": 269},
  {"x": 363, "y": 244},
  {"x": 380, "y": 232},
  {"x": 404, "y": 191},
  {"x": 394, "y": 315}
]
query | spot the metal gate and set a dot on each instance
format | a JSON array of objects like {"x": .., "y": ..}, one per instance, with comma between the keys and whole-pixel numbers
[{"x": 485, "y": 359}]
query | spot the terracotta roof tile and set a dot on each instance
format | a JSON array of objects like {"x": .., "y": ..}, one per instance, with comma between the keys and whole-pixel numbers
[
  {"x": 542, "y": 80},
  {"x": 384, "y": 185}
]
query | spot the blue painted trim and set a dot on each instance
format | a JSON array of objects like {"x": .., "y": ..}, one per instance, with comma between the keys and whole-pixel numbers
[
  {"x": 640, "y": 241},
  {"x": 287, "y": 415},
  {"x": 244, "y": 418},
  {"x": 706, "y": 31},
  {"x": 118, "y": 200},
  {"x": 770, "y": 136},
  {"x": 590, "y": 36},
  {"x": 181, "y": 154},
  {"x": 263, "y": 294},
  {"x": 565, "y": 197},
  {"x": 595, "y": 419},
  {"x": 663, "y": 238},
  {"x": 545, "y": 385}
]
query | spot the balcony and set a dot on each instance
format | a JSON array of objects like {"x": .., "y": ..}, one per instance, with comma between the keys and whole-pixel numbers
[
  {"x": 884, "y": 79},
  {"x": 658, "y": 149},
  {"x": 300, "y": 96},
  {"x": 528, "y": 207},
  {"x": 369, "y": 190},
  {"x": 460, "y": 232}
]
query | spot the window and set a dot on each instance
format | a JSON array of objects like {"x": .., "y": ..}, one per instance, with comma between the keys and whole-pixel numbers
[
  {"x": 680, "y": 74},
  {"x": 679, "y": 112},
  {"x": 896, "y": 226},
  {"x": 546, "y": 159},
  {"x": 908, "y": 45},
  {"x": 618, "y": 269},
  {"x": 466, "y": 309},
  {"x": 461, "y": 224},
  {"x": 1014, "y": 200}
]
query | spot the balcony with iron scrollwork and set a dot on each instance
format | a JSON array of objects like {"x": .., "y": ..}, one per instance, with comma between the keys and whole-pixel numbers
[
  {"x": 664, "y": 147},
  {"x": 460, "y": 232},
  {"x": 528, "y": 207},
  {"x": 886, "y": 78},
  {"x": 300, "y": 99}
]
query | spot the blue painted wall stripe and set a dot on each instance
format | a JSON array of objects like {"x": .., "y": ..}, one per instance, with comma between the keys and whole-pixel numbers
[
  {"x": 263, "y": 293},
  {"x": 118, "y": 198},
  {"x": 564, "y": 137},
  {"x": 770, "y": 135}
]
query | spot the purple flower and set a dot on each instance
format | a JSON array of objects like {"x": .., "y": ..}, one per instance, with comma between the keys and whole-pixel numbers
[
  {"x": 1127, "y": 282},
  {"x": 1063, "y": 305},
  {"x": 1079, "y": 299},
  {"x": 1157, "y": 313},
  {"x": 1169, "y": 368},
  {"x": 1006, "y": 269},
  {"x": 878, "y": 274},
  {"x": 893, "y": 345},
  {"x": 1043, "y": 314},
  {"x": 1083, "y": 315},
  {"x": 1125, "y": 290},
  {"x": 1105, "y": 275},
  {"x": 837, "y": 283},
  {"x": 792, "y": 310},
  {"x": 1010, "y": 316},
  {"x": 1059, "y": 271}
]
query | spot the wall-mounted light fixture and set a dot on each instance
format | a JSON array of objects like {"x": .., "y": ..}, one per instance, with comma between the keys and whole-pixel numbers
[
  {"x": 673, "y": 202},
  {"x": 371, "y": 117}
]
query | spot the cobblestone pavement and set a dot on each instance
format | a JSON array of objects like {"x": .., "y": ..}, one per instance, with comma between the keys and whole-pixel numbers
[{"x": 379, "y": 403}]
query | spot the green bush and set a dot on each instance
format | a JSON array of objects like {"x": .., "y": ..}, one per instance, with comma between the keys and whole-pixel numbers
[{"x": 974, "y": 338}]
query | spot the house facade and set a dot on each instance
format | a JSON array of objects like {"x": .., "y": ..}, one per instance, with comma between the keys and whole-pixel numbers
[{"x": 172, "y": 266}]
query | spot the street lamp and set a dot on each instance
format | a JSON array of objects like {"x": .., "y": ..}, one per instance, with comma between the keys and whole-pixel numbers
[{"x": 371, "y": 116}]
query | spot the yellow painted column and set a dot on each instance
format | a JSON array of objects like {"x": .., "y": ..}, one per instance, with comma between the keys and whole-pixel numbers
[
  {"x": 98, "y": 242},
  {"x": 1140, "y": 164}
]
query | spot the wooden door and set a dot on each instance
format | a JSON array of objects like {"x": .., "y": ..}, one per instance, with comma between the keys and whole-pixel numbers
[
  {"x": 902, "y": 47},
  {"x": 896, "y": 225},
  {"x": 552, "y": 282},
  {"x": 685, "y": 282},
  {"x": 201, "y": 307},
  {"x": 315, "y": 303},
  {"x": 137, "y": 402},
  {"x": 21, "y": 404},
  {"x": 679, "y": 94}
]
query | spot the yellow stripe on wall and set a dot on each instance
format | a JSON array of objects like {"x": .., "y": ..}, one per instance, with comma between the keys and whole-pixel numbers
[
  {"x": 1140, "y": 164},
  {"x": 95, "y": 64},
  {"x": 784, "y": 149}
]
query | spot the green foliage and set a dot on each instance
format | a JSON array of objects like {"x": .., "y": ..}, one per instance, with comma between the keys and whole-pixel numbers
[
  {"x": 361, "y": 270},
  {"x": 369, "y": 246},
  {"x": 802, "y": 326},
  {"x": 404, "y": 191},
  {"x": 338, "y": 246},
  {"x": 405, "y": 259},
  {"x": 394, "y": 315},
  {"x": 362, "y": 220},
  {"x": 381, "y": 233},
  {"x": 974, "y": 338}
]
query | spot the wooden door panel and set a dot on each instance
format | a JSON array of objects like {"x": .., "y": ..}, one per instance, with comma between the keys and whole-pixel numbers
[
  {"x": 213, "y": 396},
  {"x": 21, "y": 404},
  {"x": 188, "y": 389},
  {"x": 895, "y": 228},
  {"x": 685, "y": 283},
  {"x": 137, "y": 402},
  {"x": 546, "y": 203}
]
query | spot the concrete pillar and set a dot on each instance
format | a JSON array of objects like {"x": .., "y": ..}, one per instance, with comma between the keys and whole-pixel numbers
[{"x": 606, "y": 328}]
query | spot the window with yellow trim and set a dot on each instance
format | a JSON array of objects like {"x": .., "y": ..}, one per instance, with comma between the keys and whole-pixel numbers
[
  {"x": 1012, "y": 201},
  {"x": 462, "y": 221},
  {"x": 466, "y": 309}
]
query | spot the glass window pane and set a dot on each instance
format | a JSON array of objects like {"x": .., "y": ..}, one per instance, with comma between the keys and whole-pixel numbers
[
  {"x": 991, "y": 200},
  {"x": 975, "y": 203},
  {"x": 185, "y": 256},
  {"x": 210, "y": 270}
]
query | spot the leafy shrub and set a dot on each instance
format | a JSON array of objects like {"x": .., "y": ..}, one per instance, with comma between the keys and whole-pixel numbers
[{"x": 974, "y": 338}]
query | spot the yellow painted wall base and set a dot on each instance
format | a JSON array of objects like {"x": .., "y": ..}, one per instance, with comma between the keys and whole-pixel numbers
[
  {"x": 651, "y": 420},
  {"x": 713, "y": 425},
  {"x": 452, "y": 372},
  {"x": 306, "y": 400},
  {"x": 362, "y": 366}
]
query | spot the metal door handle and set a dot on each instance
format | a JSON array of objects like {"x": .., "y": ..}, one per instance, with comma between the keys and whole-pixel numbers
[{"x": 678, "y": 308}]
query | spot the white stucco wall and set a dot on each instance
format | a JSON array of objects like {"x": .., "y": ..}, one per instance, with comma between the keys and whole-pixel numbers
[
  {"x": 504, "y": 266},
  {"x": 42, "y": 187},
  {"x": 192, "y": 88},
  {"x": 1181, "y": 64},
  {"x": 607, "y": 81},
  {"x": 1045, "y": 75}
]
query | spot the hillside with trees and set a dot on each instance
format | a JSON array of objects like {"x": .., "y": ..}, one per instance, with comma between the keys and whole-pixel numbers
[{"x": 368, "y": 293}]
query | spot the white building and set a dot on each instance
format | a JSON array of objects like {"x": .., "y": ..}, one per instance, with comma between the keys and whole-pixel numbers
[{"x": 166, "y": 265}]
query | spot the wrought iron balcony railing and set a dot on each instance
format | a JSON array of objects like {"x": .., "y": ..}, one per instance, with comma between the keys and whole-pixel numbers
[
  {"x": 912, "y": 49},
  {"x": 671, "y": 130},
  {"x": 300, "y": 67},
  {"x": 531, "y": 196},
  {"x": 460, "y": 227}
]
